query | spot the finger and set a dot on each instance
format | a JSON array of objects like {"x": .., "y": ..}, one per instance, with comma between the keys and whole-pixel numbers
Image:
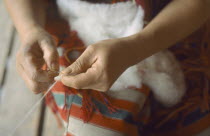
[
  {"x": 32, "y": 67},
  {"x": 36, "y": 87},
  {"x": 50, "y": 54},
  {"x": 80, "y": 81},
  {"x": 84, "y": 62}
]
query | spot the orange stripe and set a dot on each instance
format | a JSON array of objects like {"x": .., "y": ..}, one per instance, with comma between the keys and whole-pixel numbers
[
  {"x": 133, "y": 108},
  {"x": 110, "y": 123},
  {"x": 125, "y": 105},
  {"x": 69, "y": 134},
  {"x": 144, "y": 89},
  {"x": 122, "y": 104}
]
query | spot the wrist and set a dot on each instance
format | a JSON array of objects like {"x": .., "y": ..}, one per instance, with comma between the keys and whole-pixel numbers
[
  {"x": 139, "y": 46},
  {"x": 30, "y": 30}
]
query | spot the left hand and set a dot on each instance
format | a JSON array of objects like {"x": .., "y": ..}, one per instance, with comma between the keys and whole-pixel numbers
[{"x": 99, "y": 65}]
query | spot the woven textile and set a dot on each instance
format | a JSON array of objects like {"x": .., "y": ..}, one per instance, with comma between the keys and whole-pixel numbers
[{"x": 122, "y": 116}]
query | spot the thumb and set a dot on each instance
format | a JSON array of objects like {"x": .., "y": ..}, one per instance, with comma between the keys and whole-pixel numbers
[
  {"x": 81, "y": 65},
  {"x": 50, "y": 54}
]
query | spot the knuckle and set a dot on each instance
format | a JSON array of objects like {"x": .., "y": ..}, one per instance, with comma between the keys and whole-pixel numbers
[
  {"x": 52, "y": 50},
  {"x": 50, "y": 38},
  {"x": 49, "y": 41},
  {"x": 51, "y": 55},
  {"x": 77, "y": 64}
]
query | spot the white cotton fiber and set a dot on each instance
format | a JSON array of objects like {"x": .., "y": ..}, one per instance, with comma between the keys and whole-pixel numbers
[{"x": 96, "y": 22}]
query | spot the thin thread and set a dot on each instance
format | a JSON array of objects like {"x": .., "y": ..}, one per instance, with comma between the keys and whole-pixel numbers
[
  {"x": 31, "y": 110},
  {"x": 68, "y": 108}
]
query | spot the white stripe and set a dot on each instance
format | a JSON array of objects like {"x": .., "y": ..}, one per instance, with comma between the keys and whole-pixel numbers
[
  {"x": 60, "y": 51},
  {"x": 79, "y": 128},
  {"x": 129, "y": 95}
]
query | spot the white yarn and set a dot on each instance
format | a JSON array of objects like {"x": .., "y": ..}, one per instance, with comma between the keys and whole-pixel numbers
[{"x": 31, "y": 110}]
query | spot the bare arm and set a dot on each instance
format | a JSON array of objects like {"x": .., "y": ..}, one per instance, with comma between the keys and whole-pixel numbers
[
  {"x": 106, "y": 60},
  {"x": 176, "y": 21},
  {"x": 26, "y": 14},
  {"x": 38, "y": 47}
]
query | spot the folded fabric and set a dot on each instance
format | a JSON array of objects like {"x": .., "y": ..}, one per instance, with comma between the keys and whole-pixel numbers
[{"x": 114, "y": 113}]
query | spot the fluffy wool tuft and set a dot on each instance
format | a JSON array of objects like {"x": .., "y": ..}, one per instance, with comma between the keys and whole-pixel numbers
[{"x": 96, "y": 22}]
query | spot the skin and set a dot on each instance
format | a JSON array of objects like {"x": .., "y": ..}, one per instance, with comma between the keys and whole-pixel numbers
[
  {"x": 38, "y": 46},
  {"x": 103, "y": 62}
]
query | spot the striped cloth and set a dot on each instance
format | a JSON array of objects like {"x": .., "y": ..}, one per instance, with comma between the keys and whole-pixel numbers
[
  {"x": 89, "y": 112},
  {"x": 188, "y": 118},
  {"x": 106, "y": 120},
  {"x": 102, "y": 123}
]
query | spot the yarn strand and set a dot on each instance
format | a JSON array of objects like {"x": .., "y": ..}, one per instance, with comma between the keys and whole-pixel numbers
[{"x": 30, "y": 111}]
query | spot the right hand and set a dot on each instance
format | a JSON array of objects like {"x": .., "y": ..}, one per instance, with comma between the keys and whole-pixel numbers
[{"x": 38, "y": 48}]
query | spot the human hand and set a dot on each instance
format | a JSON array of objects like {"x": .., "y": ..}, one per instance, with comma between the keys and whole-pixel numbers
[
  {"x": 99, "y": 66},
  {"x": 38, "y": 48}
]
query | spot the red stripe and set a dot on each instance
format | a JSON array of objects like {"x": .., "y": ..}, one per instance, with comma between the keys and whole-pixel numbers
[
  {"x": 69, "y": 134},
  {"x": 97, "y": 119},
  {"x": 123, "y": 104},
  {"x": 120, "y": 103},
  {"x": 141, "y": 2}
]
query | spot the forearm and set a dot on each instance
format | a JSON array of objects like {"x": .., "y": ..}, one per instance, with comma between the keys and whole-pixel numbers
[
  {"x": 26, "y": 14},
  {"x": 176, "y": 21}
]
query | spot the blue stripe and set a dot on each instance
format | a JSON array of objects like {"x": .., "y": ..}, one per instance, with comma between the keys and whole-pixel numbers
[{"x": 120, "y": 114}]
